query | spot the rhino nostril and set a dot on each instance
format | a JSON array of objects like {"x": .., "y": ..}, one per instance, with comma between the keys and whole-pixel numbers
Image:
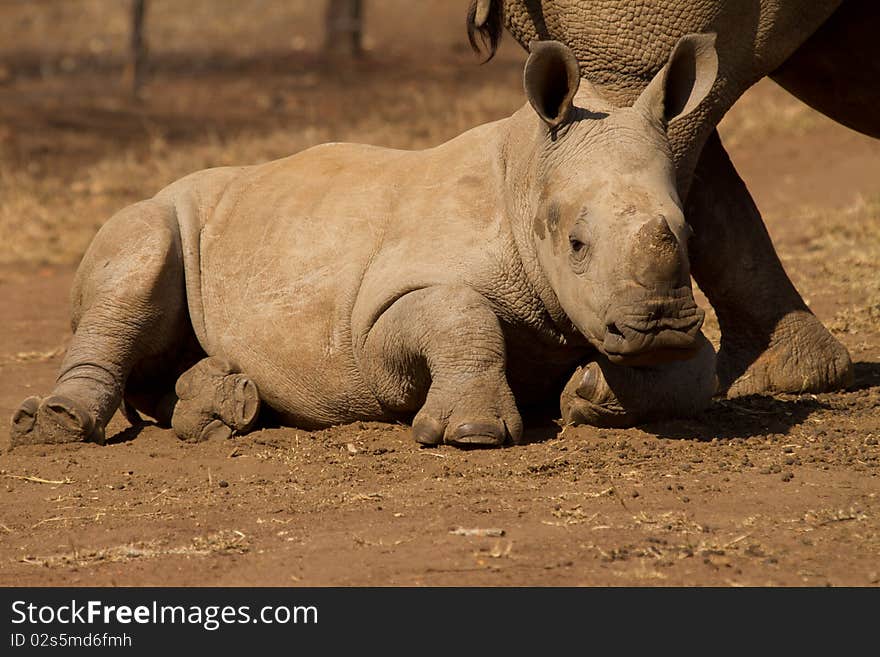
[{"x": 612, "y": 329}]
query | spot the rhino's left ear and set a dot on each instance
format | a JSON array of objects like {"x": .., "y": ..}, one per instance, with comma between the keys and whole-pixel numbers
[
  {"x": 685, "y": 80},
  {"x": 551, "y": 80}
]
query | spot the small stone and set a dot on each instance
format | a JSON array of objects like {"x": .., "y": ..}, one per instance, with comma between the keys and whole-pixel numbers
[
  {"x": 635, "y": 493},
  {"x": 787, "y": 476},
  {"x": 223, "y": 483}
]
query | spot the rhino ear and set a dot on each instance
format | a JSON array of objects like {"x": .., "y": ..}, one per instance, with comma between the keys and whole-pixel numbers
[
  {"x": 551, "y": 80},
  {"x": 685, "y": 80}
]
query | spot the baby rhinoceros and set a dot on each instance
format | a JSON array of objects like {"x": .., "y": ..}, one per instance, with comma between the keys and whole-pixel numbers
[{"x": 446, "y": 286}]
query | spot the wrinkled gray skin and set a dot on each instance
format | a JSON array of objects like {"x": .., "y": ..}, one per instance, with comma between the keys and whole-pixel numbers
[
  {"x": 823, "y": 51},
  {"x": 350, "y": 282}
]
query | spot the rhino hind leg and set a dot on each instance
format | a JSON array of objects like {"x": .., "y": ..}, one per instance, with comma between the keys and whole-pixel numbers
[
  {"x": 770, "y": 341},
  {"x": 55, "y": 419},
  {"x": 214, "y": 401},
  {"x": 606, "y": 395},
  {"x": 128, "y": 305}
]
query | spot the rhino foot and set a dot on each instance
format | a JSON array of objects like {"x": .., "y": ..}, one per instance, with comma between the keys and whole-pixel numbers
[
  {"x": 800, "y": 356},
  {"x": 214, "y": 402},
  {"x": 55, "y": 419},
  {"x": 479, "y": 414},
  {"x": 588, "y": 399}
]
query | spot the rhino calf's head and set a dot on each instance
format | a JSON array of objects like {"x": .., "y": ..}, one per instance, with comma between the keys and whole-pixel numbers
[{"x": 607, "y": 225}]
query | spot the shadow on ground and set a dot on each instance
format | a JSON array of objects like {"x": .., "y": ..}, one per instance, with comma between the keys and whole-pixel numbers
[
  {"x": 756, "y": 415},
  {"x": 740, "y": 418},
  {"x": 867, "y": 376}
]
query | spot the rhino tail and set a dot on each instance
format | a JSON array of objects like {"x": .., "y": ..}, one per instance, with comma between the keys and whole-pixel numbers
[
  {"x": 130, "y": 412},
  {"x": 485, "y": 25}
]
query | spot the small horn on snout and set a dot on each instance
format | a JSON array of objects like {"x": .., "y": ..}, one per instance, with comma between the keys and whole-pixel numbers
[{"x": 657, "y": 257}]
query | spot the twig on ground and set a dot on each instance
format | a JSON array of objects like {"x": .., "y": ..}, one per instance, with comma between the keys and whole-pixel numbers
[
  {"x": 737, "y": 540},
  {"x": 489, "y": 531},
  {"x": 39, "y": 480}
]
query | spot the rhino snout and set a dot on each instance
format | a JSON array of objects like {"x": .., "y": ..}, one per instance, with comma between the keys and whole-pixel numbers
[{"x": 653, "y": 331}]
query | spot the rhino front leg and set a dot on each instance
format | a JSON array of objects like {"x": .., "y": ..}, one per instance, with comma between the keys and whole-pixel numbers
[
  {"x": 442, "y": 348},
  {"x": 770, "y": 341},
  {"x": 607, "y": 395}
]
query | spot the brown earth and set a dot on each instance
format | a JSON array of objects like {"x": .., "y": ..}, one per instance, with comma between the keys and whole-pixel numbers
[{"x": 759, "y": 491}]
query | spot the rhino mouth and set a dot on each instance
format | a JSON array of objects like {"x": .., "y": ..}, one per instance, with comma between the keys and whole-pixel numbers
[{"x": 653, "y": 331}]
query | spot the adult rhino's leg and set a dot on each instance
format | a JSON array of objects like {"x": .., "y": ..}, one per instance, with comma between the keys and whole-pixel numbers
[
  {"x": 442, "y": 349},
  {"x": 607, "y": 395},
  {"x": 770, "y": 341},
  {"x": 836, "y": 71},
  {"x": 128, "y": 305}
]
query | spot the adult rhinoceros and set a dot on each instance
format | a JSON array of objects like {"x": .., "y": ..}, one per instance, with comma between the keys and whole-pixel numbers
[
  {"x": 451, "y": 286},
  {"x": 823, "y": 51}
]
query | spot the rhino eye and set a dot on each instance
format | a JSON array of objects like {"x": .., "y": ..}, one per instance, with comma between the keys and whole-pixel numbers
[{"x": 578, "y": 248}]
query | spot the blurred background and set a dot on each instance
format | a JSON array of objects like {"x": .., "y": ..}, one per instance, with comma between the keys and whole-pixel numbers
[
  {"x": 85, "y": 130},
  {"x": 103, "y": 102}
]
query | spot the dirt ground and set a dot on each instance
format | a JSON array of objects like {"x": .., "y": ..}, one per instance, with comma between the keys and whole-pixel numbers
[{"x": 758, "y": 491}]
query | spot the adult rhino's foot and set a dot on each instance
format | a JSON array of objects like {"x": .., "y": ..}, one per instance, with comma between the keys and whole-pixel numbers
[
  {"x": 800, "y": 356},
  {"x": 214, "y": 402},
  {"x": 588, "y": 399},
  {"x": 477, "y": 414},
  {"x": 55, "y": 419}
]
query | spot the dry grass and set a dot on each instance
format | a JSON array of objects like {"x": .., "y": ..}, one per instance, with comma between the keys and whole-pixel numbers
[
  {"x": 232, "y": 83},
  {"x": 51, "y": 219},
  {"x": 225, "y": 541},
  {"x": 840, "y": 257}
]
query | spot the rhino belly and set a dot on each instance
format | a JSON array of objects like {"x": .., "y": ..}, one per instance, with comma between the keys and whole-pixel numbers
[{"x": 277, "y": 304}]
